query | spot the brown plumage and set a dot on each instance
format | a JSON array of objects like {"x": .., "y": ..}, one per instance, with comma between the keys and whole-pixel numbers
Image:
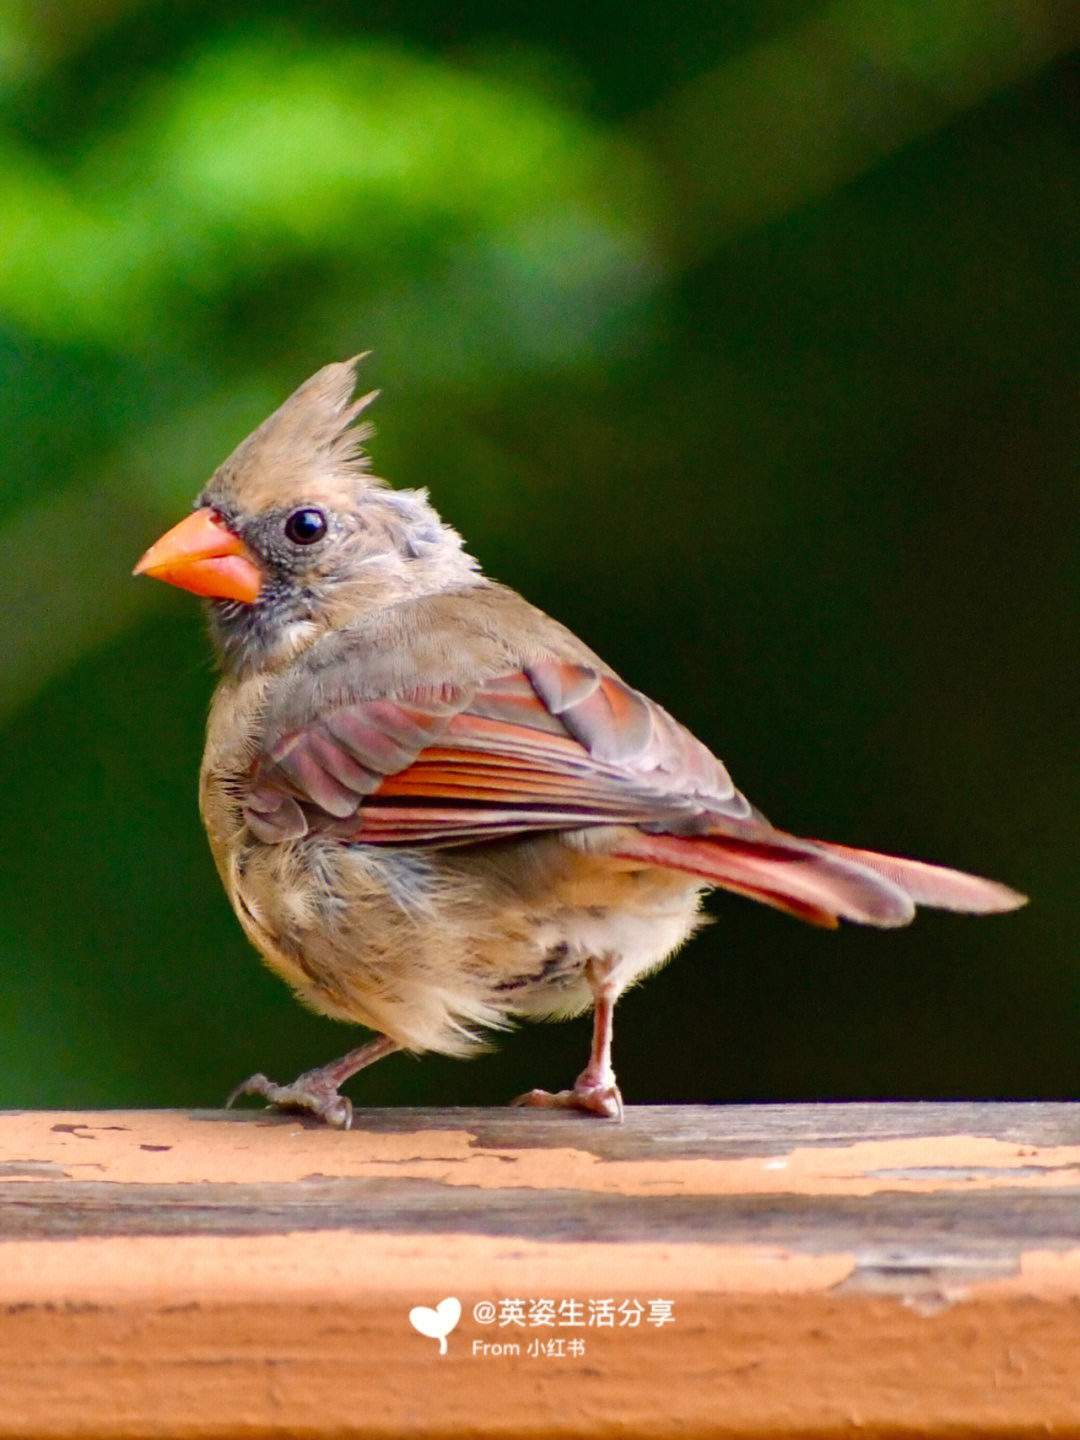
[{"x": 433, "y": 808}]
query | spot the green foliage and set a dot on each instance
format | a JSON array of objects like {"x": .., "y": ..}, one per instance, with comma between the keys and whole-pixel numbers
[
  {"x": 276, "y": 153},
  {"x": 740, "y": 337}
]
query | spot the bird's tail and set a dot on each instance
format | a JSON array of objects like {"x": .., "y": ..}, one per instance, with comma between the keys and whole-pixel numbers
[{"x": 819, "y": 881}]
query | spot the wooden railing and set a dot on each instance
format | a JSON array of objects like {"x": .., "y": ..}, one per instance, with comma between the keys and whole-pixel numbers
[{"x": 724, "y": 1271}]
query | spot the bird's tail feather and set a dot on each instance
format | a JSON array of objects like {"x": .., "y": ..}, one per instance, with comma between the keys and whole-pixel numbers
[
  {"x": 818, "y": 881},
  {"x": 935, "y": 885}
]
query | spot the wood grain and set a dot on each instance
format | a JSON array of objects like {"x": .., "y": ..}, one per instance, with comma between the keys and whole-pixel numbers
[{"x": 885, "y": 1268}]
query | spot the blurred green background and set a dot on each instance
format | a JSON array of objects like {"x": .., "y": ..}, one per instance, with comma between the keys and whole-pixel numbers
[{"x": 742, "y": 337}]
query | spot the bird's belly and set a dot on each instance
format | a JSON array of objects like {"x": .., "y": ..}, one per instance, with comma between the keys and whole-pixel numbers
[
  {"x": 630, "y": 941},
  {"x": 432, "y": 946}
]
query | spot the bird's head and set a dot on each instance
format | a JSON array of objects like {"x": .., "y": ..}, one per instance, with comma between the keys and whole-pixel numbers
[{"x": 293, "y": 535}]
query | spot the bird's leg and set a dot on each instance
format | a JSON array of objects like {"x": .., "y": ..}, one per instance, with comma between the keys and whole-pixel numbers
[
  {"x": 316, "y": 1091},
  {"x": 595, "y": 1090}
]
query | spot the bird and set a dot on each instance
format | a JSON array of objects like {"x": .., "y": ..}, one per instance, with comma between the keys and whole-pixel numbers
[{"x": 434, "y": 809}]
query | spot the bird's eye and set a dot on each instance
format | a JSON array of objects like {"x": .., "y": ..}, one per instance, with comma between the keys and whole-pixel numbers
[{"x": 304, "y": 527}]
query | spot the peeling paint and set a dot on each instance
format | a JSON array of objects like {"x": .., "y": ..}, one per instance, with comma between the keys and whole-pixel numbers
[{"x": 165, "y": 1147}]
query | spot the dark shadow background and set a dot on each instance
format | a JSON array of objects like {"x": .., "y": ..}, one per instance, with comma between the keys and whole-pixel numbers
[{"x": 743, "y": 338}]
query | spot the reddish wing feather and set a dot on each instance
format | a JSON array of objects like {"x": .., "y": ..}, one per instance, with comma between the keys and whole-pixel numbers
[{"x": 552, "y": 746}]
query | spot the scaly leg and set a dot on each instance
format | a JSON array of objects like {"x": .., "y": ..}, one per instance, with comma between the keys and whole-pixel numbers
[
  {"x": 595, "y": 1090},
  {"x": 316, "y": 1091}
]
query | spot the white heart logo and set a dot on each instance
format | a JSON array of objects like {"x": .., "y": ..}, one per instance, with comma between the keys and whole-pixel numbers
[{"x": 436, "y": 1324}]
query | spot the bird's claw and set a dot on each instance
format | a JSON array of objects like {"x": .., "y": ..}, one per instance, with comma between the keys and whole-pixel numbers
[
  {"x": 603, "y": 1100},
  {"x": 310, "y": 1093}
]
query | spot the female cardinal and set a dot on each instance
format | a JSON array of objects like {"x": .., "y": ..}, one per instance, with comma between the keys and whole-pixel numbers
[{"x": 433, "y": 808}]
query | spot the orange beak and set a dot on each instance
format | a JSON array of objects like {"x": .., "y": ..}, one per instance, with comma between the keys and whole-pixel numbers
[{"x": 202, "y": 555}]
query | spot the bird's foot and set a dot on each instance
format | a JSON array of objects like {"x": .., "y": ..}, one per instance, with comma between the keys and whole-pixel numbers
[
  {"x": 594, "y": 1097},
  {"x": 314, "y": 1092}
]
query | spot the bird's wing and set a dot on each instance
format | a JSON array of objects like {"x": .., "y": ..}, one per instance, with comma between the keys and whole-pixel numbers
[
  {"x": 558, "y": 745},
  {"x": 554, "y": 745}
]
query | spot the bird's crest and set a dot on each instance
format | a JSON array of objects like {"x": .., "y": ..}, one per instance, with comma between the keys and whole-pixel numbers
[{"x": 310, "y": 445}]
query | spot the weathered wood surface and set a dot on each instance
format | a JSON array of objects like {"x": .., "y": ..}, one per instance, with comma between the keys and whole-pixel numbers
[{"x": 731, "y": 1270}]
